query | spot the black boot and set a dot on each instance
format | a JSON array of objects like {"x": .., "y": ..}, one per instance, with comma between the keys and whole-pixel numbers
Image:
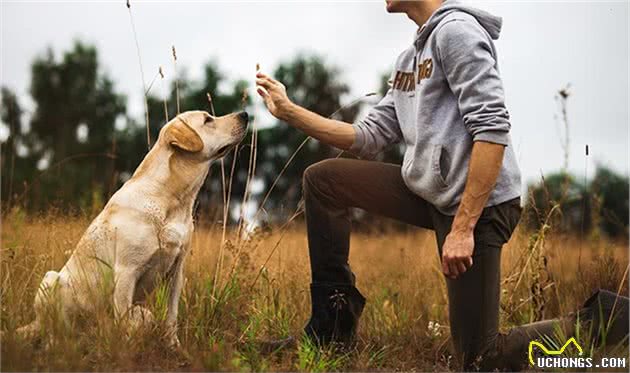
[
  {"x": 335, "y": 312},
  {"x": 603, "y": 305},
  {"x": 607, "y": 314}
]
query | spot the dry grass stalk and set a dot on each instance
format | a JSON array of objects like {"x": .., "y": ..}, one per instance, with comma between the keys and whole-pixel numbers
[
  {"x": 619, "y": 290},
  {"x": 584, "y": 205},
  {"x": 562, "y": 98},
  {"x": 209, "y": 96},
  {"x": 219, "y": 262},
  {"x": 144, "y": 85},
  {"x": 227, "y": 194},
  {"x": 165, "y": 97},
  {"x": 226, "y": 206},
  {"x": 151, "y": 83},
  {"x": 226, "y": 214},
  {"x": 282, "y": 230},
  {"x": 534, "y": 265},
  {"x": 174, "y": 52},
  {"x": 251, "y": 171}
]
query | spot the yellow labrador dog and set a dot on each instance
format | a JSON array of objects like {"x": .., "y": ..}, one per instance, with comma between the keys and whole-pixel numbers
[{"x": 145, "y": 230}]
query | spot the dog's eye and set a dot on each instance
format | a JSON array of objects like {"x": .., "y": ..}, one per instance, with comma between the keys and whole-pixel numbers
[{"x": 208, "y": 120}]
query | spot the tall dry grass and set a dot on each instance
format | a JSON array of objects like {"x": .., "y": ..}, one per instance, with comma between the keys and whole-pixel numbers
[{"x": 405, "y": 322}]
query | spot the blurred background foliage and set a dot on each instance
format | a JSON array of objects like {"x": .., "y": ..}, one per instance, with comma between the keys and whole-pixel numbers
[{"x": 79, "y": 144}]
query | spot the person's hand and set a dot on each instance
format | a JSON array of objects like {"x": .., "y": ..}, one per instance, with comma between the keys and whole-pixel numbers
[
  {"x": 274, "y": 95},
  {"x": 457, "y": 253}
]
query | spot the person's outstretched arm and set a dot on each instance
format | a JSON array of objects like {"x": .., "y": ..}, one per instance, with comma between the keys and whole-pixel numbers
[
  {"x": 329, "y": 131},
  {"x": 365, "y": 139}
]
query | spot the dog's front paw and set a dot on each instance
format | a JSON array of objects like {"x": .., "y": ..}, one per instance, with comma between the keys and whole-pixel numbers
[
  {"x": 183, "y": 358},
  {"x": 139, "y": 316},
  {"x": 173, "y": 341}
]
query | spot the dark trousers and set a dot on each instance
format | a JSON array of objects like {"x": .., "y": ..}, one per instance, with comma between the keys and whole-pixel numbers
[{"x": 333, "y": 186}]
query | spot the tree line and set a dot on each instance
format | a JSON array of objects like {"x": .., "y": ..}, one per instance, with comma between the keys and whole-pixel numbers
[{"x": 79, "y": 144}]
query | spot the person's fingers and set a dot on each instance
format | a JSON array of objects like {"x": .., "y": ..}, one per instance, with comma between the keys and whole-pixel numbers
[
  {"x": 461, "y": 267},
  {"x": 265, "y": 96},
  {"x": 453, "y": 269},
  {"x": 469, "y": 262},
  {"x": 262, "y": 92},
  {"x": 264, "y": 83},
  {"x": 268, "y": 79},
  {"x": 445, "y": 268},
  {"x": 271, "y": 79},
  {"x": 269, "y": 82}
]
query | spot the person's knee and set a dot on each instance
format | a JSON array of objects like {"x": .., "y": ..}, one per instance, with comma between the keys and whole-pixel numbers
[{"x": 319, "y": 173}]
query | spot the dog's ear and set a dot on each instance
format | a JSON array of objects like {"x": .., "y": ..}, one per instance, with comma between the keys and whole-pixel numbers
[{"x": 183, "y": 136}]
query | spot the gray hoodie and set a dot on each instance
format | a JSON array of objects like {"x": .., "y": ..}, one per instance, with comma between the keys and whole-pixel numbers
[{"x": 446, "y": 93}]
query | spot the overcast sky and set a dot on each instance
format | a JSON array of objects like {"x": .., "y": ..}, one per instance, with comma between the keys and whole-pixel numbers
[{"x": 543, "y": 46}]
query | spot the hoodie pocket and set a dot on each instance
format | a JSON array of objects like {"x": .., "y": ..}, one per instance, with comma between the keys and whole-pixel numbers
[{"x": 440, "y": 163}]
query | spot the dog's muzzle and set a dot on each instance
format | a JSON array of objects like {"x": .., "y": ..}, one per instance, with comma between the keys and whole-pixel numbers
[
  {"x": 243, "y": 116},
  {"x": 241, "y": 130}
]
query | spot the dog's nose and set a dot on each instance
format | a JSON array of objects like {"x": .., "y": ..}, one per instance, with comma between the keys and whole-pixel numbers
[{"x": 244, "y": 116}]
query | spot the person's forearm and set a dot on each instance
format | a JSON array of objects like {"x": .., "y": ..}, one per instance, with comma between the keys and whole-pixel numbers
[
  {"x": 483, "y": 170},
  {"x": 329, "y": 131}
]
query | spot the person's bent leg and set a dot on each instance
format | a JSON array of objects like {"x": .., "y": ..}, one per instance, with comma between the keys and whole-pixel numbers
[{"x": 331, "y": 188}]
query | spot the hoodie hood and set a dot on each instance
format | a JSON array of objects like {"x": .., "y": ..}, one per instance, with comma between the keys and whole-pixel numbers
[{"x": 491, "y": 23}]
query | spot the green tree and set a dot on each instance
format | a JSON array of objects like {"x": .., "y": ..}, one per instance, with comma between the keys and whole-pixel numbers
[
  {"x": 612, "y": 191},
  {"x": 18, "y": 165},
  {"x": 603, "y": 203},
  {"x": 572, "y": 197},
  {"x": 72, "y": 127}
]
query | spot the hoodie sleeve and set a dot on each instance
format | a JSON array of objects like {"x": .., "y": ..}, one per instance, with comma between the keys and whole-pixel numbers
[
  {"x": 466, "y": 55},
  {"x": 377, "y": 130}
]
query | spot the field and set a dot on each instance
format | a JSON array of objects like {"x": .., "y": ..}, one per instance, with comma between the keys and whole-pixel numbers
[{"x": 262, "y": 291}]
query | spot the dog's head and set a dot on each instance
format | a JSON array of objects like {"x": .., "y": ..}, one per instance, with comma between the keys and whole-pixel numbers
[{"x": 203, "y": 136}]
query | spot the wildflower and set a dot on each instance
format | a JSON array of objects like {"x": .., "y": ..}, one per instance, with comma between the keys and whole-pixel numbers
[{"x": 434, "y": 329}]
